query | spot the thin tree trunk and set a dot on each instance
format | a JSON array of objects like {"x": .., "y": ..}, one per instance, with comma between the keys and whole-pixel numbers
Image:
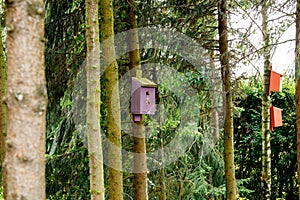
[
  {"x": 112, "y": 102},
  {"x": 228, "y": 124},
  {"x": 93, "y": 101},
  {"x": 26, "y": 101},
  {"x": 214, "y": 119},
  {"x": 133, "y": 39},
  {"x": 266, "y": 140},
  {"x": 162, "y": 181},
  {"x": 163, "y": 193},
  {"x": 215, "y": 101},
  {"x": 140, "y": 162},
  {"x": 3, "y": 111},
  {"x": 297, "y": 77}
]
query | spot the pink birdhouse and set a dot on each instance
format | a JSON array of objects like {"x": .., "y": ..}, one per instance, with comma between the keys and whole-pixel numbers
[{"x": 142, "y": 97}]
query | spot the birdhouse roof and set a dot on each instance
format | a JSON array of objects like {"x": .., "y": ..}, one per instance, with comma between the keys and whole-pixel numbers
[
  {"x": 144, "y": 82},
  {"x": 277, "y": 73}
]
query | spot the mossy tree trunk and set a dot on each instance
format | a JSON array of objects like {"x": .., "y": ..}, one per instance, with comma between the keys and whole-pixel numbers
[
  {"x": 297, "y": 77},
  {"x": 112, "y": 102},
  {"x": 3, "y": 110},
  {"x": 266, "y": 134},
  {"x": 26, "y": 101},
  {"x": 140, "y": 159},
  {"x": 228, "y": 124},
  {"x": 93, "y": 101}
]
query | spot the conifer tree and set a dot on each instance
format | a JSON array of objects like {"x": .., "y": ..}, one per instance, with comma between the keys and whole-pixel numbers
[{"x": 228, "y": 124}]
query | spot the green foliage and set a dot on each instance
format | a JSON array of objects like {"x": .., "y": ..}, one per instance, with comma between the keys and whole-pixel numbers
[
  {"x": 1, "y": 193},
  {"x": 67, "y": 162},
  {"x": 65, "y": 102},
  {"x": 283, "y": 144},
  {"x": 68, "y": 175},
  {"x": 200, "y": 173}
]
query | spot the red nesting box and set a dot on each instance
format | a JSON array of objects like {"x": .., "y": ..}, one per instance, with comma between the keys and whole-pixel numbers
[
  {"x": 142, "y": 97},
  {"x": 275, "y": 117},
  {"x": 275, "y": 82}
]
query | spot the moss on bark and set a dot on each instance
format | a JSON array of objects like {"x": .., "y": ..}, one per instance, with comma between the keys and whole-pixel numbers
[{"x": 112, "y": 102}]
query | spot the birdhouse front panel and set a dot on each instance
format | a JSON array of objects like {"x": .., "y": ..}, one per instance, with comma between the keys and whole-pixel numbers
[
  {"x": 147, "y": 103},
  {"x": 142, "y": 96},
  {"x": 275, "y": 82},
  {"x": 275, "y": 117}
]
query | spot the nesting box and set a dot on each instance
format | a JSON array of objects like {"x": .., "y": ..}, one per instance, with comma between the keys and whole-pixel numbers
[
  {"x": 142, "y": 97},
  {"x": 275, "y": 117},
  {"x": 275, "y": 82}
]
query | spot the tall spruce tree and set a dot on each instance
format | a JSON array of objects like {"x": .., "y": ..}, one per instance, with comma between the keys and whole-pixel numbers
[{"x": 228, "y": 124}]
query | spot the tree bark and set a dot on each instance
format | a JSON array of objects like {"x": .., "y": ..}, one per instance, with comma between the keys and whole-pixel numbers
[
  {"x": 297, "y": 77},
  {"x": 26, "y": 101},
  {"x": 140, "y": 160},
  {"x": 93, "y": 101},
  {"x": 214, "y": 115},
  {"x": 162, "y": 182},
  {"x": 133, "y": 39},
  {"x": 215, "y": 101},
  {"x": 266, "y": 134},
  {"x": 112, "y": 102},
  {"x": 228, "y": 124},
  {"x": 3, "y": 111}
]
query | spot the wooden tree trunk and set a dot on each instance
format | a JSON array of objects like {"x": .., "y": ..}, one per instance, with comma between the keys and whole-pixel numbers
[
  {"x": 297, "y": 77},
  {"x": 162, "y": 182},
  {"x": 140, "y": 160},
  {"x": 3, "y": 111},
  {"x": 26, "y": 100},
  {"x": 228, "y": 124},
  {"x": 215, "y": 101},
  {"x": 112, "y": 102},
  {"x": 214, "y": 115},
  {"x": 266, "y": 134},
  {"x": 93, "y": 101}
]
